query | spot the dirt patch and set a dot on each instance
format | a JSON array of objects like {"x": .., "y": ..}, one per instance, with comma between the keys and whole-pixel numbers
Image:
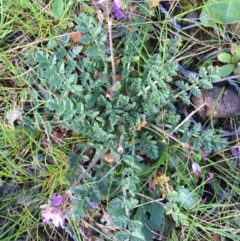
[{"x": 227, "y": 106}]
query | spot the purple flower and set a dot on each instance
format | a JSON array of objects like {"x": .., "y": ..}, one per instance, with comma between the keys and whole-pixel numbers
[
  {"x": 97, "y": 4},
  {"x": 234, "y": 151},
  {"x": 54, "y": 215},
  {"x": 117, "y": 11},
  {"x": 57, "y": 200},
  {"x": 197, "y": 169},
  {"x": 93, "y": 204}
]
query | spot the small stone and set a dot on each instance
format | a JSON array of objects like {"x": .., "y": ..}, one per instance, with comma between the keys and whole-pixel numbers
[
  {"x": 228, "y": 105},
  {"x": 193, "y": 15}
]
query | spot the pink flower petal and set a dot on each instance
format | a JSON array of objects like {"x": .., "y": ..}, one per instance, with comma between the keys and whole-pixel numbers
[{"x": 53, "y": 215}]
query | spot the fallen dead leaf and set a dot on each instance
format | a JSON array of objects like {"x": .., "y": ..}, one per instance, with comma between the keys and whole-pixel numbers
[
  {"x": 153, "y": 3},
  {"x": 75, "y": 37},
  {"x": 13, "y": 115},
  {"x": 142, "y": 124},
  {"x": 233, "y": 48},
  {"x": 109, "y": 158}
]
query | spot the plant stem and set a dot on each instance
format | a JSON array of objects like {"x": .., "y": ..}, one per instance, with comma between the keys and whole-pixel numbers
[
  {"x": 90, "y": 166},
  {"x": 111, "y": 44},
  {"x": 187, "y": 118}
]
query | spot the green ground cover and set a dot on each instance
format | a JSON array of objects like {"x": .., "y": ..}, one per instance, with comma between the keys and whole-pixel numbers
[{"x": 100, "y": 136}]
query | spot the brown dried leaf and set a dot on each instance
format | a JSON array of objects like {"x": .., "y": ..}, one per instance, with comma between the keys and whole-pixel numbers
[
  {"x": 153, "y": 3},
  {"x": 75, "y": 37},
  {"x": 142, "y": 124},
  {"x": 109, "y": 158}
]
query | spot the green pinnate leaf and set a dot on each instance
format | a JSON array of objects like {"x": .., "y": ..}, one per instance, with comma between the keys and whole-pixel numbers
[
  {"x": 84, "y": 23},
  {"x": 208, "y": 135},
  {"x": 195, "y": 91},
  {"x": 86, "y": 39},
  {"x": 196, "y": 129},
  {"x": 83, "y": 97},
  {"x": 77, "y": 212},
  {"x": 205, "y": 83},
  {"x": 208, "y": 147},
  {"x": 197, "y": 143},
  {"x": 73, "y": 53},
  {"x": 184, "y": 97},
  {"x": 182, "y": 85},
  {"x": 87, "y": 204}
]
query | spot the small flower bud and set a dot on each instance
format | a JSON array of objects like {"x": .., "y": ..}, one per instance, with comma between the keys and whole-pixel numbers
[
  {"x": 53, "y": 215},
  {"x": 197, "y": 169},
  {"x": 120, "y": 150},
  {"x": 120, "y": 147},
  {"x": 151, "y": 186}
]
